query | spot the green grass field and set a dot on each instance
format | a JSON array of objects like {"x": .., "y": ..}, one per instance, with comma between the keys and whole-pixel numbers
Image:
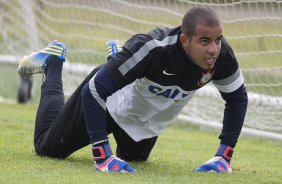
[
  {"x": 182, "y": 147},
  {"x": 178, "y": 151}
]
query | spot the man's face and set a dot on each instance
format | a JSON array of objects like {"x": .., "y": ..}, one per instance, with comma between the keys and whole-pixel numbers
[{"x": 204, "y": 46}]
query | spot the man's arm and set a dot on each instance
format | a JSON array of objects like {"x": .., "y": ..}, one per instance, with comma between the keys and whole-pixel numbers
[
  {"x": 94, "y": 95},
  {"x": 234, "y": 115},
  {"x": 230, "y": 83},
  {"x": 120, "y": 71}
]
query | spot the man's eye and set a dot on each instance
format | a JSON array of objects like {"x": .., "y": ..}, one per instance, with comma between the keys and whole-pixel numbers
[
  {"x": 218, "y": 41},
  {"x": 204, "y": 42}
]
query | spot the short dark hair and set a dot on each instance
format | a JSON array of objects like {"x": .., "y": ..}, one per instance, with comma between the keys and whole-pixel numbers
[{"x": 198, "y": 15}]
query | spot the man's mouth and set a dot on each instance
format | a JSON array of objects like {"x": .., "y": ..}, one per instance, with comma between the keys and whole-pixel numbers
[{"x": 211, "y": 60}]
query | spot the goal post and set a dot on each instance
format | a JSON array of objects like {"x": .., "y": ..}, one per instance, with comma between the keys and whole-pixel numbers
[{"x": 253, "y": 29}]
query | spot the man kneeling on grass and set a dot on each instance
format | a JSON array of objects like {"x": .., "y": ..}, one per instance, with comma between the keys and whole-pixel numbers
[{"x": 138, "y": 93}]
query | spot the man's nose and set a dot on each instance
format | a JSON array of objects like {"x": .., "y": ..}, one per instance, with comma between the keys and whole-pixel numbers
[{"x": 213, "y": 48}]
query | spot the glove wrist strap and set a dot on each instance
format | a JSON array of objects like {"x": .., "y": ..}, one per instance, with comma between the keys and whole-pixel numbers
[
  {"x": 225, "y": 152},
  {"x": 101, "y": 150}
]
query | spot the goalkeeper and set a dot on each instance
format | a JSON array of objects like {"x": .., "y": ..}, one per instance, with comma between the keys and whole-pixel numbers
[{"x": 138, "y": 93}]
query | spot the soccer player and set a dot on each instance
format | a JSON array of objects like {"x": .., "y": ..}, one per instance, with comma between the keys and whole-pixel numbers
[{"x": 138, "y": 93}]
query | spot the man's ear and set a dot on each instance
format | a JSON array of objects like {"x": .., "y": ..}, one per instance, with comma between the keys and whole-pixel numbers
[{"x": 184, "y": 40}]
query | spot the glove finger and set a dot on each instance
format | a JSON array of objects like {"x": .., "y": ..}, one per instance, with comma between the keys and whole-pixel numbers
[
  {"x": 128, "y": 168},
  {"x": 117, "y": 167},
  {"x": 218, "y": 167},
  {"x": 222, "y": 167},
  {"x": 202, "y": 168}
]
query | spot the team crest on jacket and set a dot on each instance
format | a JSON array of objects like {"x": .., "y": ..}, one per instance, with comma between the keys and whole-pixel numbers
[{"x": 206, "y": 77}]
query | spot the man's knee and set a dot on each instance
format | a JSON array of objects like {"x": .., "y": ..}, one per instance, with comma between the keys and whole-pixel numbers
[
  {"x": 43, "y": 152},
  {"x": 131, "y": 156}
]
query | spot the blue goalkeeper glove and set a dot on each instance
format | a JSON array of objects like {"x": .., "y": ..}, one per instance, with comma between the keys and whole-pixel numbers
[
  {"x": 114, "y": 164},
  {"x": 106, "y": 161},
  {"x": 220, "y": 163}
]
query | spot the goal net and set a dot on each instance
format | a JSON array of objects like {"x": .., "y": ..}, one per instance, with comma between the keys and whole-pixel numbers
[{"x": 253, "y": 28}]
